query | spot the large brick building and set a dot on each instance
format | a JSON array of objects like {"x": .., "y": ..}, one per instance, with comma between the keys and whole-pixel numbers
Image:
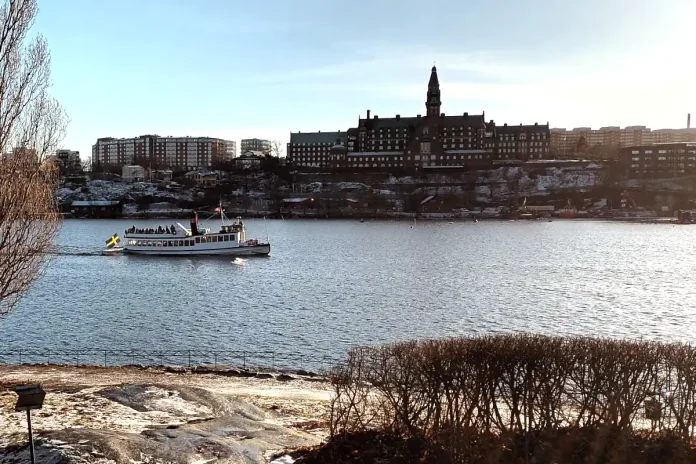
[
  {"x": 157, "y": 152},
  {"x": 432, "y": 141},
  {"x": 659, "y": 160}
]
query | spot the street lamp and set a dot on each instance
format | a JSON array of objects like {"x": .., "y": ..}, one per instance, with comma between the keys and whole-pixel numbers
[{"x": 29, "y": 397}]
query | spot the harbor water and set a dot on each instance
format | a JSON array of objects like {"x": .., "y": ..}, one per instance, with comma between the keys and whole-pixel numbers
[{"x": 330, "y": 285}]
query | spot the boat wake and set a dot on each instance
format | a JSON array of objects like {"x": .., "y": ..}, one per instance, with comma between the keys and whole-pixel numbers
[
  {"x": 76, "y": 251},
  {"x": 239, "y": 261}
]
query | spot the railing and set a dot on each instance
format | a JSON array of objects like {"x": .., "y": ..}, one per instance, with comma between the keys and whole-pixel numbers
[{"x": 216, "y": 359}]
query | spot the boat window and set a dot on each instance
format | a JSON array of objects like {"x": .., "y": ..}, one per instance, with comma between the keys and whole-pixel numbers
[
  {"x": 232, "y": 238},
  {"x": 170, "y": 243},
  {"x": 198, "y": 240},
  {"x": 164, "y": 243},
  {"x": 181, "y": 243}
]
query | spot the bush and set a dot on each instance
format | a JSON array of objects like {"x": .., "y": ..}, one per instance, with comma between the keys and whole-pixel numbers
[{"x": 455, "y": 391}]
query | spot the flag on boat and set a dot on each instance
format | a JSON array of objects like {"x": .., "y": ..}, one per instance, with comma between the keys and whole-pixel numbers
[
  {"x": 218, "y": 209},
  {"x": 113, "y": 241}
]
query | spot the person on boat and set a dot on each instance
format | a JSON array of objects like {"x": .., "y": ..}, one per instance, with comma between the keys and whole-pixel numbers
[{"x": 173, "y": 230}]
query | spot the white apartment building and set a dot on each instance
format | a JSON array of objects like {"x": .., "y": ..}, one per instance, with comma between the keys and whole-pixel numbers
[
  {"x": 156, "y": 152},
  {"x": 230, "y": 149},
  {"x": 567, "y": 142}
]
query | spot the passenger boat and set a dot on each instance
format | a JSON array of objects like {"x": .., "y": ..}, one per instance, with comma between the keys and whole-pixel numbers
[{"x": 177, "y": 240}]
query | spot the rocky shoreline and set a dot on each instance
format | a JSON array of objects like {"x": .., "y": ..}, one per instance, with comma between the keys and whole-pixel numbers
[{"x": 152, "y": 415}]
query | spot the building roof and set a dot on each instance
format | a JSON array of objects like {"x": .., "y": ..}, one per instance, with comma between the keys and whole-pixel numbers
[
  {"x": 521, "y": 128},
  {"x": 252, "y": 155},
  {"x": 388, "y": 123},
  {"x": 95, "y": 203},
  {"x": 317, "y": 137},
  {"x": 433, "y": 82},
  {"x": 464, "y": 120}
]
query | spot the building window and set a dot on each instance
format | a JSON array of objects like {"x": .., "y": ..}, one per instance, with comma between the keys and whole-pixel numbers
[{"x": 425, "y": 147}]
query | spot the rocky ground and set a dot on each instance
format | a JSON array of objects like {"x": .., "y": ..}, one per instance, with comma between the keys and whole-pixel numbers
[{"x": 136, "y": 415}]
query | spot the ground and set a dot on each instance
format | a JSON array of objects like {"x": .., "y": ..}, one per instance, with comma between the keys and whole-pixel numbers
[{"x": 137, "y": 415}]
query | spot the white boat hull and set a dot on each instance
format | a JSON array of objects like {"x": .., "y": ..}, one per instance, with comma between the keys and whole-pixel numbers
[{"x": 247, "y": 250}]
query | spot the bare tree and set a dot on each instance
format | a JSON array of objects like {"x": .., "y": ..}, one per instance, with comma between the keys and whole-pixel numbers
[
  {"x": 86, "y": 164},
  {"x": 276, "y": 148},
  {"x": 32, "y": 124}
]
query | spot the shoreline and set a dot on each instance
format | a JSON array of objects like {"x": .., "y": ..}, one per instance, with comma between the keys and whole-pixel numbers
[
  {"x": 647, "y": 220},
  {"x": 90, "y": 411}
]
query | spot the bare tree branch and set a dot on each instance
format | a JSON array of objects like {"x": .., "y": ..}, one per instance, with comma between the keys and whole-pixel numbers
[{"x": 32, "y": 124}]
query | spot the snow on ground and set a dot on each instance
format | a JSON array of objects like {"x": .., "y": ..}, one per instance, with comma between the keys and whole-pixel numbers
[
  {"x": 92, "y": 414},
  {"x": 499, "y": 183},
  {"x": 96, "y": 190}
]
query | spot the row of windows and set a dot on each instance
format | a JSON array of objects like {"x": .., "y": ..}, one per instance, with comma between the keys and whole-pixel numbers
[
  {"x": 160, "y": 243},
  {"x": 187, "y": 242}
]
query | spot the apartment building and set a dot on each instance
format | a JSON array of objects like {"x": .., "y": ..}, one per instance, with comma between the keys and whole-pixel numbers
[
  {"x": 156, "y": 152},
  {"x": 230, "y": 150},
  {"x": 606, "y": 141}
]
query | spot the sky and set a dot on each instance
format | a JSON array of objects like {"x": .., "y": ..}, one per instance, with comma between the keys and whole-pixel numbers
[{"x": 240, "y": 69}]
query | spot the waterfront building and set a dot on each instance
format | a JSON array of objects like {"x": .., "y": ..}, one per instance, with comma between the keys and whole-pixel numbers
[
  {"x": 523, "y": 142},
  {"x": 432, "y": 141},
  {"x": 156, "y": 152},
  {"x": 659, "y": 160},
  {"x": 203, "y": 179},
  {"x": 312, "y": 149},
  {"x": 264, "y": 146},
  {"x": 96, "y": 209}
]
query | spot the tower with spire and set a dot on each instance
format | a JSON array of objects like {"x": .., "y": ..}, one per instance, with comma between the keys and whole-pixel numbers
[{"x": 432, "y": 104}]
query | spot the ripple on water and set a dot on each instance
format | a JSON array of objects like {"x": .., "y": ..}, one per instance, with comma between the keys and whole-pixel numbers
[{"x": 330, "y": 285}]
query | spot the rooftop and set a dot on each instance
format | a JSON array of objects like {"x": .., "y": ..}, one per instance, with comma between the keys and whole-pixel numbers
[{"x": 317, "y": 137}]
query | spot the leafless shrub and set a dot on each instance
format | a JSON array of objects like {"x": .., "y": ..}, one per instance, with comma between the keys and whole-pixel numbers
[
  {"x": 456, "y": 391},
  {"x": 31, "y": 126}
]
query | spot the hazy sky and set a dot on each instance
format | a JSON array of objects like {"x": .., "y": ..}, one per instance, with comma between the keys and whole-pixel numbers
[{"x": 232, "y": 69}]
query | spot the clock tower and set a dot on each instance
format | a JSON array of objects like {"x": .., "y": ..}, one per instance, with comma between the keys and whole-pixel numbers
[{"x": 432, "y": 104}]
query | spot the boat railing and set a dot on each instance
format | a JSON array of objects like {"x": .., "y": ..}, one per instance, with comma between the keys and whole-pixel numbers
[{"x": 151, "y": 231}]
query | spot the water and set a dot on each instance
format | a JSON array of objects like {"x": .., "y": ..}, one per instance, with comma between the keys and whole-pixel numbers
[{"x": 329, "y": 285}]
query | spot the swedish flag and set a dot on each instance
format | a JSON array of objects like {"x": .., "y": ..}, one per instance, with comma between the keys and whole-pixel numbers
[{"x": 113, "y": 241}]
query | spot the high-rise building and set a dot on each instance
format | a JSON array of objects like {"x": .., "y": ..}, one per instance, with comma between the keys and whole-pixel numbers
[
  {"x": 230, "y": 149},
  {"x": 432, "y": 141},
  {"x": 155, "y": 152},
  {"x": 264, "y": 146}
]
